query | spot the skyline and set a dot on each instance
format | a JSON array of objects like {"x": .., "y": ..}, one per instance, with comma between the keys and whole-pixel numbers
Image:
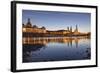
[{"x": 58, "y": 20}]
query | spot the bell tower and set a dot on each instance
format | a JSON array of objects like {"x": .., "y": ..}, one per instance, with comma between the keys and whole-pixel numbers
[{"x": 76, "y": 30}]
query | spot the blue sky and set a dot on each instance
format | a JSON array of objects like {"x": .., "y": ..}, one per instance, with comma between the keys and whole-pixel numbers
[{"x": 58, "y": 20}]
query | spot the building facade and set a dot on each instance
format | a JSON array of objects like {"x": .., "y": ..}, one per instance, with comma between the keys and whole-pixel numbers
[
  {"x": 29, "y": 28},
  {"x": 33, "y": 29}
]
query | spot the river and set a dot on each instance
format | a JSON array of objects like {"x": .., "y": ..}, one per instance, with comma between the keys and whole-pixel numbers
[{"x": 44, "y": 49}]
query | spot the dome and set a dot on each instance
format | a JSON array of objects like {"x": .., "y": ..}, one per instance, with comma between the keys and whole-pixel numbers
[
  {"x": 34, "y": 26},
  {"x": 43, "y": 27}
]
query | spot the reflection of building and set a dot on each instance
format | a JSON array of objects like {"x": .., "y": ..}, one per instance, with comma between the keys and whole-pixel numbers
[
  {"x": 33, "y": 30},
  {"x": 46, "y": 40}
]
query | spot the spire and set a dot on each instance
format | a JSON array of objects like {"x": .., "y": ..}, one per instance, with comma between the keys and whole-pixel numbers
[
  {"x": 68, "y": 28},
  {"x": 71, "y": 29},
  {"x": 76, "y": 29},
  {"x": 29, "y": 23},
  {"x": 28, "y": 20}
]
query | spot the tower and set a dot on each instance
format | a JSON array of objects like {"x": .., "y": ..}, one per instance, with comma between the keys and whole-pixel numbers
[
  {"x": 71, "y": 29},
  {"x": 76, "y": 30},
  {"x": 28, "y": 23},
  {"x": 68, "y": 28}
]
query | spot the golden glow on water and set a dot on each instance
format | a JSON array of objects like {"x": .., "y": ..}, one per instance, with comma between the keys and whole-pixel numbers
[{"x": 45, "y": 40}]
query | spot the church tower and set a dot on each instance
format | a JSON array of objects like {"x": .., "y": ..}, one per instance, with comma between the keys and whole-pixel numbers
[
  {"x": 68, "y": 28},
  {"x": 28, "y": 23},
  {"x": 76, "y": 30},
  {"x": 71, "y": 29}
]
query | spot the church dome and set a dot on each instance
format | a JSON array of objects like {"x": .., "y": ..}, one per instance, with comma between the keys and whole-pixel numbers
[
  {"x": 43, "y": 27},
  {"x": 34, "y": 26}
]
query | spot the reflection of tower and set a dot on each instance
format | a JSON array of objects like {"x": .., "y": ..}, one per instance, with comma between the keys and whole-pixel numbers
[
  {"x": 70, "y": 41},
  {"x": 76, "y": 42}
]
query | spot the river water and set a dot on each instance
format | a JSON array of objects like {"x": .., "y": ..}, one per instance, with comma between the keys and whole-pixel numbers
[{"x": 43, "y": 49}]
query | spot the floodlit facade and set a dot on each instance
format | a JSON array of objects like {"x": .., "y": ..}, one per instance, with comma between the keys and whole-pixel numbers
[{"x": 29, "y": 28}]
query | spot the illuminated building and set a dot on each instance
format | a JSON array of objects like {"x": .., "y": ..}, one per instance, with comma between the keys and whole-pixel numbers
[{"x": 33, "y": 30}]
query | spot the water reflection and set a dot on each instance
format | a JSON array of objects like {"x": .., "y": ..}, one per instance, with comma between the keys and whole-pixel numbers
[
  {"x": 46, "y": 40},
  {"x": 55, "y": 48}
]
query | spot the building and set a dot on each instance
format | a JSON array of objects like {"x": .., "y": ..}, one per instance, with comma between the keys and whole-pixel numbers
[
  {"x": 33, "y": 29},
  {"x": 29, "y": 29},
  {"x": 59, "y": 32}
]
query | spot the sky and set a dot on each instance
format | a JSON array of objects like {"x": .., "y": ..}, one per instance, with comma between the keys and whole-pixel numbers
[{"x": 53, "y": 20}]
